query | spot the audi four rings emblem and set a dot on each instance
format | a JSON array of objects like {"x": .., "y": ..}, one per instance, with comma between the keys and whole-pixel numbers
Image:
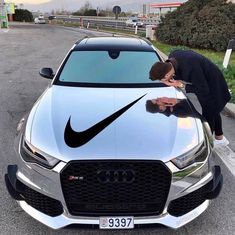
[{"x": 116, "y": 176}]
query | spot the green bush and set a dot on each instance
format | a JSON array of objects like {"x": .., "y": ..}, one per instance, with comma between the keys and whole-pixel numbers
[
  {"x": 86, "y": 12},
  {"x": 208, "y": 24},
  {"x": 23, "y": 15},
  {"x": 78, "y": 13},
  {"x": 90, "y": 12}
]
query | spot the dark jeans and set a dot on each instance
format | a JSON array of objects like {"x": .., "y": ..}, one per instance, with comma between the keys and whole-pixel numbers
[{"x": 214, "y": 121}]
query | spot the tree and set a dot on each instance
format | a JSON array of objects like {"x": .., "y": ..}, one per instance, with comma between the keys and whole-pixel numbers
[
  {"x": 85, "y": 8},
  {"x": 204, "y": 24},
  {"x": 90, "y": 12},
  {"x": 23, "y": 15}
]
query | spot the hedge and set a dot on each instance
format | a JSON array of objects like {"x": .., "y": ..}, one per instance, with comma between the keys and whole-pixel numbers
[{"x": 208, "y": 24}]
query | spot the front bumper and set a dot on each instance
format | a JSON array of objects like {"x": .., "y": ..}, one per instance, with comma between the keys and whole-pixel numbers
[{"x": 208, "y": 187}]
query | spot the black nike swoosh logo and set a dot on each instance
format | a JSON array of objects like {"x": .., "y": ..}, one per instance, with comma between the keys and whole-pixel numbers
[{"x": 76, "y": 139}]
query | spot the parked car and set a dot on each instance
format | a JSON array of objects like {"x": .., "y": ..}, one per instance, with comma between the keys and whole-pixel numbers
[
  {"x": 40, "y": 20},
  {"x": 106, "y": 146},
  {"x": 134, "y": 22},
  {"x": 51, "y": 17}
]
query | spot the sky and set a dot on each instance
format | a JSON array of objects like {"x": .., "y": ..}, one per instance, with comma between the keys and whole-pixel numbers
[
  {"x": 66, "y": 4},
  {"x": 65, "y": 1},
  {"x": 93, "y": 2},
  {"x": 72, "y": 5},
  {"x": 30, "y": 1}
]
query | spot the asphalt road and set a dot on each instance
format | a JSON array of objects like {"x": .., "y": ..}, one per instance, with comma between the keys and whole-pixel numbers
[{"x": 24, "y": 49}]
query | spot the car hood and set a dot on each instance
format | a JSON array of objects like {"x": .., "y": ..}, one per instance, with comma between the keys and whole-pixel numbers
[{"x": 77, "y": 123}]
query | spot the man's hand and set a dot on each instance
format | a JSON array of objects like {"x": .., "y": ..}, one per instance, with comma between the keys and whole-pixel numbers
[
  {"x": 164, "y": 102},
  {"x": 174, "y": 83},
  {"x": 168, "y": 101}
]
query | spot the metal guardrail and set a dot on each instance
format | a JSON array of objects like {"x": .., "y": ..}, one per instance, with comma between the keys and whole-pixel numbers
[
  {"x": 155, "y": 20},
  {"x": 127, "y": 29},
  {"x": 99, "y": 23}
]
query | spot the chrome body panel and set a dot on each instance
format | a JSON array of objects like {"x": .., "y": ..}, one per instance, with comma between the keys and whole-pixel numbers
[
  {"x": 179, "y": 135},
  {"x": 157, "y": 136}
]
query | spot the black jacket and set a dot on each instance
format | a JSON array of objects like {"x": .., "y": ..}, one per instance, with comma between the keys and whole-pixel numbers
[{"x": 207, "y": 80}]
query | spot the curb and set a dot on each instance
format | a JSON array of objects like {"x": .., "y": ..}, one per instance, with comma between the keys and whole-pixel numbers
[{"x": 230, "y": 109}]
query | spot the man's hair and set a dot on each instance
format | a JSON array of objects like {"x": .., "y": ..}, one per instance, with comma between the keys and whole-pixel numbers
[
  {"x": 151, "y": 107},
  {"x": 160, "y": 69}
]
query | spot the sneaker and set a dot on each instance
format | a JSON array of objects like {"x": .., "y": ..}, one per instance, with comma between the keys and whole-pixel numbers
[{"x": 222, "y": 142}]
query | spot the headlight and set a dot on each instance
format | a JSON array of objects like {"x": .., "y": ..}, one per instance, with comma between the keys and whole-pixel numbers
[
  {"x": 31, "y": 154},
  {"x": 198, "y": 154}
]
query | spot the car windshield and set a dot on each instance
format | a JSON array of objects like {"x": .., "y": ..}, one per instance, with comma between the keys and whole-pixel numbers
[{"x": 108, "y": 67}]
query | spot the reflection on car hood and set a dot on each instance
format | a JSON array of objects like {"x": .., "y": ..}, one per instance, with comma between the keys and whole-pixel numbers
[{"x": 72, "y": 123}]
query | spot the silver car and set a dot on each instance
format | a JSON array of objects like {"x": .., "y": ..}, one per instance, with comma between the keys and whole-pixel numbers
[
  {"x": 134, "y": 23},
  {"x": 106, "y": 146}
]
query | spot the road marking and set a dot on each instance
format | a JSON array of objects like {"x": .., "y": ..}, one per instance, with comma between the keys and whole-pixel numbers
[
  {"x": 4, "y": 30},
  {"x": 227, "y": 156}
]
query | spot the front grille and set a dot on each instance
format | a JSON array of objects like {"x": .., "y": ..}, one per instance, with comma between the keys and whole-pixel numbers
[
  {"x": 115, "y": 188},
  {"x": 189, "y": 202},
  {"x": 42, "y": 202}
]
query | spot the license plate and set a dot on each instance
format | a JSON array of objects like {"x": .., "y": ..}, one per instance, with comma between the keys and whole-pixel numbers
[{"x": 116, "y": 222}]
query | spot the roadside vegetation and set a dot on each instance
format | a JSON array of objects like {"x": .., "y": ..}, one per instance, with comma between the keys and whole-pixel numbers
[
  {"x": 207, "y": 24},
  {"x": 23, "y": 15},
  {"x": 88, "y": 10}
]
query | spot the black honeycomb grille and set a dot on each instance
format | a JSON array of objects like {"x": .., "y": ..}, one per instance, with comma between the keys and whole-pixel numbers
[
  {"x": 42, "y": 202},
  {"x": 145, "y": 194},
  {"x": 189, "y": 202}
]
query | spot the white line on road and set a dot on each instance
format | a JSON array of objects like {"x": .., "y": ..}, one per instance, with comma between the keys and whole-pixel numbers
[
  {"x": 4, "y": 30},
  {"x": 227, "y": 156}
]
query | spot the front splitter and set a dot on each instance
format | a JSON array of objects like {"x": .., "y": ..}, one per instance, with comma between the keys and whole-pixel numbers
[{"x": 65, "y": 220}]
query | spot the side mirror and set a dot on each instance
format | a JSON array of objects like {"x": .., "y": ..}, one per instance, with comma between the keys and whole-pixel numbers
[{"x": 47, "y": 73}]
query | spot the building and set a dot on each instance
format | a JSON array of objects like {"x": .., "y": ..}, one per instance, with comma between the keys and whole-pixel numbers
[{"x": 161, "y": 8}]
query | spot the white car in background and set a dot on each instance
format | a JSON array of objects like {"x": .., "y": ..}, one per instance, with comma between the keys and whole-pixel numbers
[
  {"x": 134, "y": 22},
  {"x": 40, "y": 20}
]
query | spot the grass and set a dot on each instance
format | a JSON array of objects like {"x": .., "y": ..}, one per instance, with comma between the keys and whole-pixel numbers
[{"x": 216, "y": 57}]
